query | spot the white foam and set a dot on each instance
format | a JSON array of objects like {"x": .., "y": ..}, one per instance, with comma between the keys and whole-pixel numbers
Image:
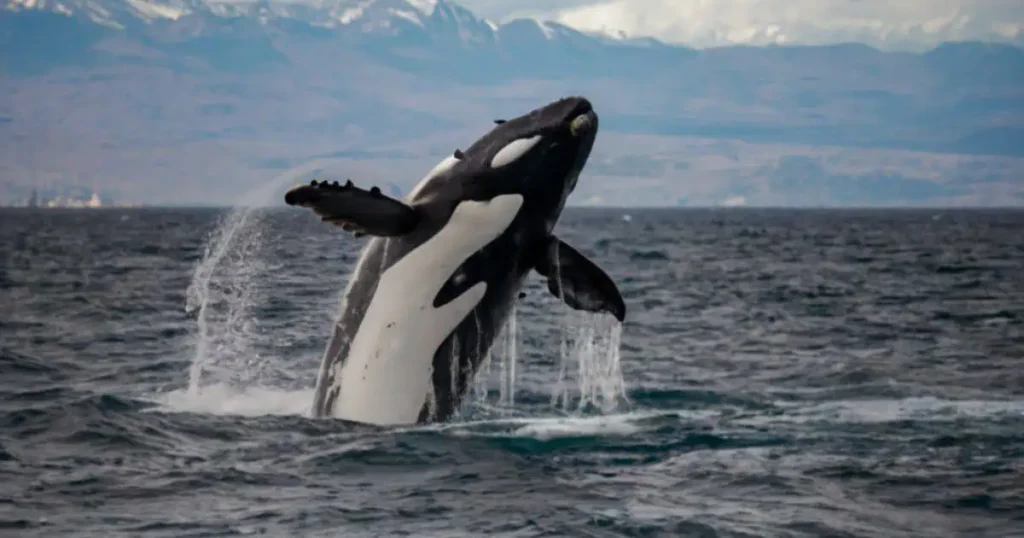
[
  {"x": 545, "y": 429},
  {"x": 892, "y": 410},
  {"x": 222, "y": 399}
]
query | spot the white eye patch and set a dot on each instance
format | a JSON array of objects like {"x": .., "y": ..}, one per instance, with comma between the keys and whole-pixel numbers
[{"x": 514, "y": 150}]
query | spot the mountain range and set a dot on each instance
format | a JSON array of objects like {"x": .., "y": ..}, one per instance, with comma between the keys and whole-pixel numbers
[{"x": 198, "y": 101}]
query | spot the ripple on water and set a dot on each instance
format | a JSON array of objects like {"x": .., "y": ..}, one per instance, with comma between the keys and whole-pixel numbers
[{"x": 797, "y": 374}]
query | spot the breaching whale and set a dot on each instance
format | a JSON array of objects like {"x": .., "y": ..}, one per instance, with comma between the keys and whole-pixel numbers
[{"x": 443, "y": 268}]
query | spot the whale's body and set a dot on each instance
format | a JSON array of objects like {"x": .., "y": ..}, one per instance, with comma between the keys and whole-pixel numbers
[{"x": 438, "y": 280}]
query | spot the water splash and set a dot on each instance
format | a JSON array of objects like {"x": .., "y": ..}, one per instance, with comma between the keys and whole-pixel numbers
[
  {"x": 225, "y": 288},
  {"x": 508, "y": 359},
  {"x": 590, "y": 362},
  {"x": 504, "y": 354},
  {"x": 589, "y": 348},
  {"x": 589, "y": 375}
]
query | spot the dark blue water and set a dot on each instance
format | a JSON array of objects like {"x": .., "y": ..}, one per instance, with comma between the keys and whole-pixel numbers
[{"x": 787, "y": 374}]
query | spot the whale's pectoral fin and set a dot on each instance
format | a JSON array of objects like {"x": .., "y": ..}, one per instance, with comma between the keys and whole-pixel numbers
[
  {"x": 578, "y": 281},
  {"x": 356, "y": 210}
]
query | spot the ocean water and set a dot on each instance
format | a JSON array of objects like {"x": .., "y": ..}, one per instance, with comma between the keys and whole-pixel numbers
[{"x": 780, "y": 374}]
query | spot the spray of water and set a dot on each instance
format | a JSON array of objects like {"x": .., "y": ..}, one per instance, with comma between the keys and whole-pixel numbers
[
  {"x": 589, "y": 374},
  {"x": 507, "y": 393},
  {"x": 226, "y": 286},
  {"x": 590, "y": 362},
  {"x": 503, "y": 355}
]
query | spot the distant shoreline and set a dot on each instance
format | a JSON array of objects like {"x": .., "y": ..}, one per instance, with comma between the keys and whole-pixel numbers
[{"x": 573, "y": 208}]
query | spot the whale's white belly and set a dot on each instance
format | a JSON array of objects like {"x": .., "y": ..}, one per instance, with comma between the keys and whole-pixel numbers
[{"x": 386, "y": 377}]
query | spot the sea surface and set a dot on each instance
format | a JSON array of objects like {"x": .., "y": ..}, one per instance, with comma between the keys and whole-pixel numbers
[{"x": 826, "y": 373}]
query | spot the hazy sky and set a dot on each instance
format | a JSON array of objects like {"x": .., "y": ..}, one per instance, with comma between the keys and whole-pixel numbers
[{"x": 889, "y": 24}]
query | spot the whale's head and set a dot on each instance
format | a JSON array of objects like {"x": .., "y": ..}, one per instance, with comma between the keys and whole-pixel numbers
[{"x": 540, "y": 153}]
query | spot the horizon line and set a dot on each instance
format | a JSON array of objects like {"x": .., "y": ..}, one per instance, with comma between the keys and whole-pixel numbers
[{"x": 567, "y": 207}]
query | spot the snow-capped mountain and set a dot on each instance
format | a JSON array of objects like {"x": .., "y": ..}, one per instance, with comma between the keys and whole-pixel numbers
[
  {"x": 109, "y": 13},
  {"x": 437, "y": 19},
  {"x": 208, "y": 90},
  {"x": 433, "y": 38}
]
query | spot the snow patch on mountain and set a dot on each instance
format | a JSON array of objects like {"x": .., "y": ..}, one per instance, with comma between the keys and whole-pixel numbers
[
  {"x": 407, "y": 15},
  {"x": 425, "y": 7},
  {"x": 152, "y": 10},
  {"x": 544, "y": 28}
]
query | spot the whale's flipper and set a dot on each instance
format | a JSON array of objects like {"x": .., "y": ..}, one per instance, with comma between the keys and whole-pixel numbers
[
  {"x": 578, "y": 281},
  {"x": 354, "y": 209}
]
